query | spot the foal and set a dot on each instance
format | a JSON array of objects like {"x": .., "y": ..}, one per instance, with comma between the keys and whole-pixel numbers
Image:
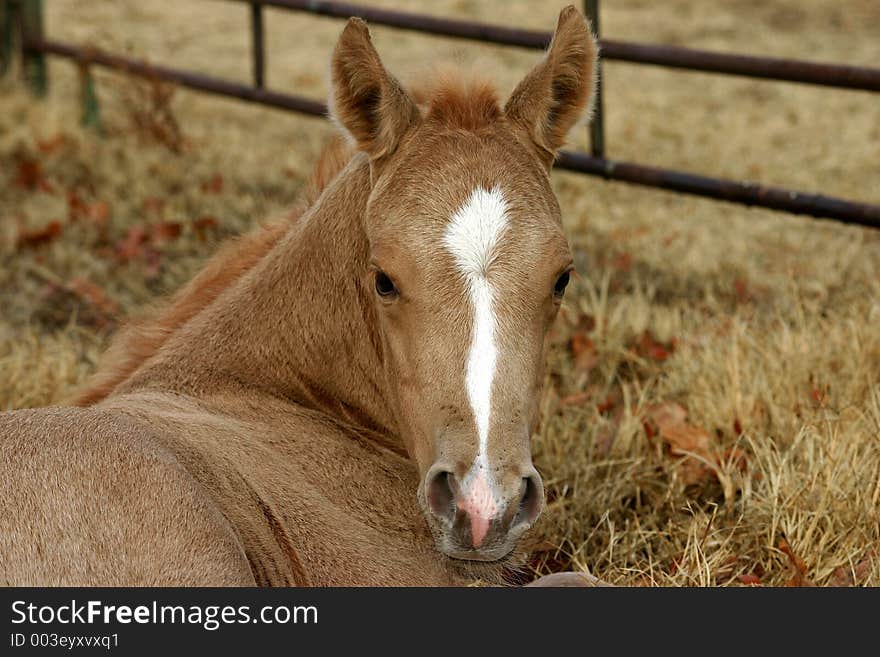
[{"x": 351, "y": 401}]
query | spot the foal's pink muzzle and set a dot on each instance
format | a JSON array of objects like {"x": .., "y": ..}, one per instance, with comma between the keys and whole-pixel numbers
[{"x": 481, "y": 516}]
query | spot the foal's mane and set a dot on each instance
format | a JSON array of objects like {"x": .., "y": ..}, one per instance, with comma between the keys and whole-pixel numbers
[{"x": 450, "y": 100}]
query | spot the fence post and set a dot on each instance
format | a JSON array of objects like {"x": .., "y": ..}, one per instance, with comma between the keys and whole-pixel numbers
[
  {"x": 91, "y": 110},
  {"x": 597, "y": 125},
  {"x": 257, "y": 43},
  {"x": 7, "y": 22},
  {"x": 33, "y": 63}
]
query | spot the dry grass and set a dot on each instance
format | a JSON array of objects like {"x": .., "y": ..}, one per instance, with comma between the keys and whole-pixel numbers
[{"x": 763, "y": 326}]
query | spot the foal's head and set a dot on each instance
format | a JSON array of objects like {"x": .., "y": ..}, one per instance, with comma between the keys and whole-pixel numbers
[{"x": 468, "y": 266}]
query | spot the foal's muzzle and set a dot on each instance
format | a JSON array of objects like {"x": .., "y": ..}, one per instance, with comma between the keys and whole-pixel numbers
[{"x": 481, "y": 516}]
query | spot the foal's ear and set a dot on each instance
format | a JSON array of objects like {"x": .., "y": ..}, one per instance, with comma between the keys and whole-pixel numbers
[
  {"x": 366, "y": 100},
  {"x": 559, "y": 90}
]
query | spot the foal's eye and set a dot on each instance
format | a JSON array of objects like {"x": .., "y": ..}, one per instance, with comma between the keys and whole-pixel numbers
[
  {"x": 384, "y": 285},
  {"x": 561, "y": 284}
]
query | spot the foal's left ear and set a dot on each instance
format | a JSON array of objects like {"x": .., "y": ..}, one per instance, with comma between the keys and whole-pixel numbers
[
  {"x": 366, "y": 100},
  {"x": 559, "y": 90}
]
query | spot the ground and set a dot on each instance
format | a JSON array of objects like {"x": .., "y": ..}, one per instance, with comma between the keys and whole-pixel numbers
[{"x": 712, "y": 407}]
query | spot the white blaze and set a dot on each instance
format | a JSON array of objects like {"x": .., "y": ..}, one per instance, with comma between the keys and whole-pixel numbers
[{"x": 472, "y": 237}]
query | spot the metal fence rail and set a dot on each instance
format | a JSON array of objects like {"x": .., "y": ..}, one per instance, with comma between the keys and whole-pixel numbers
[
  {"x": 34, "y": 46},
  {"x": 728, "y": 190},
  {"x": 771, "y": 68}
]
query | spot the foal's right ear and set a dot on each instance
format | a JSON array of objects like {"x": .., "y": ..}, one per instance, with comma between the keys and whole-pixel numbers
[{"x": 366, "y": 100}]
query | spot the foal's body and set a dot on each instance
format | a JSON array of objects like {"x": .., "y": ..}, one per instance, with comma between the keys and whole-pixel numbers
[
  {"x": 320, "y": 406},
  {"x": 230, "y": 480},
  {"x": 197, "y": 495}
]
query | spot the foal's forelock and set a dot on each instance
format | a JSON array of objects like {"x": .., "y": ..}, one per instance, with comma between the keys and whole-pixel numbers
[{"x": 473, "y": 238}]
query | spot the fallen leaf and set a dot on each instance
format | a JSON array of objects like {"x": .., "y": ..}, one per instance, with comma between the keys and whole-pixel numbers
[
  {"x": 141, "y": 239},
  {"x": 577, "y": 398},
  {"x": 608, "y": 403},
  {"x": 684, "y": 439},
  {"x": 99, "y": 212},
  {"x": 154, "y": 204},
  {"x": 584, "y": 352},
  {"x": 737, "y": 458},
  {"x": 41, "y": 235},
  {"x": 30, "y": 174},
  {"x": 667, "y": 414},
  {"x": 213, "y": 185},
  {"x": 650, "y": 348},
  {"x": 605, "y": 437},
  {"x": 853, "y": 575},
  {"x": 164, "y": 232},
  {"x": 622, "y": 261},
  {"x": 799, "y": 577},
  {"x": 131, "y": 246},
  {"x": 49, "y": 146},
  {"x": 76, "y": 207},
  {"x": 93, "y": 295},
  {"x": 741, "y": 289},
  {"x": 579, "y": 343},
  {"x": 749, "y": 579},
  {"x": 203, "y": 225},
  {"x": 585, "y": 323}
]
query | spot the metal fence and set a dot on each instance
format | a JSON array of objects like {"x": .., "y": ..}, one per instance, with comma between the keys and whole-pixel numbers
[{"x": 24, "y": 17}]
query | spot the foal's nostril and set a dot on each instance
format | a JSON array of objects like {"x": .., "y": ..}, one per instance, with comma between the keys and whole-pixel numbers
[
  {"x": 440, "y": 496},
  {"x": 530, "y": 502}
]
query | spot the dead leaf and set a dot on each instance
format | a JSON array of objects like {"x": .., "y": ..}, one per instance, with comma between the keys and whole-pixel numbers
[
  {"x": 76, "y": 207},
  {"x": 650, "y": 348},
  {"x": 608, "y": 403},
  {"x": 853, "y": 575},
  {"x": 799, "y": 577},
  {"x": 99, "y": 213},
  {"x": 30, "y": 176},
  {"x": 49, "y": 146},
  {"x": 93, "y": 295},
  {"x": 605, "y": 436},
  {"x": 41, "y": 235},
  {"x": 737, "y": 458},
  {"x": 622, "y": 261},
  {"x": 213, "y": 185},
  {"x": 142, "y": 239},
  {"x": 749, "y": 579},
  {"x": 667, "y": 414},
  {"x": 132, "y": 245},
  {"x": 577, "y": 398},
  {"x": 164, "y": 232},
  {"x": 684, "y": 439},
  {"x": 584, "y": 352},
  {"x": 741, "y": 289},
  {"x": 154, "y": 204},
  {"x": 203, "y": 224}
]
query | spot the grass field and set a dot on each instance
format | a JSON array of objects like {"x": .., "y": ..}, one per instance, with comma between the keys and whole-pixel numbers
[{"x": 712, "y": 408}]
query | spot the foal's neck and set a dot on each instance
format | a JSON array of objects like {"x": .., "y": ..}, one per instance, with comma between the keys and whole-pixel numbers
[{"x": 299, "y": 325}]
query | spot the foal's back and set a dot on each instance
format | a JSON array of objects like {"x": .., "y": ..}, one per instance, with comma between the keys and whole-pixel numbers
[
  {"x": 158, "y": 489},
  {"x": 88, "y": 497}
]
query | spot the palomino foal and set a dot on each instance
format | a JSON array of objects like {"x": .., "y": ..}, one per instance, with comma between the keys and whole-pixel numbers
[{"x": 353, "y": 404}]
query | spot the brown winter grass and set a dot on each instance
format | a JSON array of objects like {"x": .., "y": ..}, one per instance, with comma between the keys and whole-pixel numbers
[{"x": 770, "y": 324}]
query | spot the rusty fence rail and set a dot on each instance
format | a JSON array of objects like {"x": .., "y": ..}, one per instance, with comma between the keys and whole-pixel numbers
[
  {"x": 772, "y": 68},
  {"x": 34, "y": 46}
]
